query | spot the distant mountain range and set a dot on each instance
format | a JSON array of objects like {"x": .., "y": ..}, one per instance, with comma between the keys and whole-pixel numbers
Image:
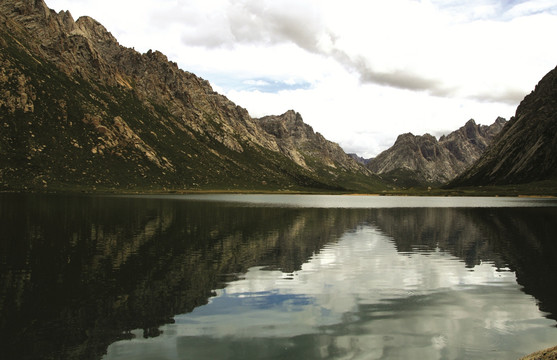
[
  {"x": 78, "y": 111},
  {"x": 424, "y": 160}
]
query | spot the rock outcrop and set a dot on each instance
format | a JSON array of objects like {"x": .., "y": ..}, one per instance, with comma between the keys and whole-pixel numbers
[
  {"x": 310, "y": 150},
  {"x": 298, "y": 141},
  {"x": 79, "y": 109},
  {"x": 526, "y": 150},
  {"x": 424, "y": 160}
]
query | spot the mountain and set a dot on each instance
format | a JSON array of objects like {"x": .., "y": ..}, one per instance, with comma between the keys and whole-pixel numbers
[
  {"x": 302, "y": 144},
  {"x": 80, "y": 111},
  {"x": 526, "y": 150},
  {"x": 424, "y": 160},
  {"x": 359, "y": 159},
  {"x": 312, "y": 151}
]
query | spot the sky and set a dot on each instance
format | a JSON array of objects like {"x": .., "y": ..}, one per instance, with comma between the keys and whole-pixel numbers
[{"x": 360, "y": 72}]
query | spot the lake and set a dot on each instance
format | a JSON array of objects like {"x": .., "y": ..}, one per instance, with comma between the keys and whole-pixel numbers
[{"x": 276, "y": 277}]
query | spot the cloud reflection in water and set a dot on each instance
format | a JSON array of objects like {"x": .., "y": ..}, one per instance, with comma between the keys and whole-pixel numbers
[{"x": 358, "y": 297}]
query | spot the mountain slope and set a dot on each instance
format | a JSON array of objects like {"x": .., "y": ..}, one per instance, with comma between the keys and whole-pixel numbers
[
  {"x": 311, "y": 150},
  {"x": 526, "y": 150},
  {"x": 423, "y": 160},
  {"x": 77, "y": 110}
]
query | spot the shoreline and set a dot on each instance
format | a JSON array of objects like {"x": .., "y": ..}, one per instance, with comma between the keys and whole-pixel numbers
[
  {"x": 546, "y": 354},
  {"x": 439, "y": 193},
  {"x": 536, "y": 189}
]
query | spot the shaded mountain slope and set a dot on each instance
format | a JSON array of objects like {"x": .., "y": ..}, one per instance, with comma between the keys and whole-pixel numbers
[
  {"x": 424, "y": 160},
  {"x": 79, "y": 111},
  {"x": 526, "y": 150}
]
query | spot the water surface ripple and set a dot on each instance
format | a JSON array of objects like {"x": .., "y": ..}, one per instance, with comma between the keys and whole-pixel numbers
[{"x": 276, "y": 277}]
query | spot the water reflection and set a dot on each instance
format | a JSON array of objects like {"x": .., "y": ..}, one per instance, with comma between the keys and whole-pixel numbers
[
  {"x": 78, "y": 273},
  {"x": 359, "y": 297},
  {"x": 522, "y": 239},
  {"x": 81, "y": 273}
]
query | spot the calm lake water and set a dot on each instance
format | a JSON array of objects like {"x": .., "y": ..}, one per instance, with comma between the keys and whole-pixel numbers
[{"x": 276, "y": 277}]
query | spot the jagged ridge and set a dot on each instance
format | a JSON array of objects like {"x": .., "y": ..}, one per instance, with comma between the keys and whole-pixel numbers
[
  {"x": 298, "y": 140},
  {"x": 311, "y": 150},
  {"x": 78, "y": 109},
  {"x": 424, "y": 160}
]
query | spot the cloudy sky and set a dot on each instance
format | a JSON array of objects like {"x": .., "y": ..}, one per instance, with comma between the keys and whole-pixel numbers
[{"x": 360, "y": 72}]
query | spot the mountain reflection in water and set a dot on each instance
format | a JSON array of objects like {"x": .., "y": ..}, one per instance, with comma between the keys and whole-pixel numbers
[{"x": 209, "y": 279}]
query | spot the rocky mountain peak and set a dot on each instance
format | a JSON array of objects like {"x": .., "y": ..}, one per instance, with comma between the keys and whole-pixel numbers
[
  {"x": 411, "y": 138},
  {"x": 406, "y": 137},
  {"x": 289, "y": 125},
  {"x": 471, "y": 129},
  {"x": 35, "y": 13},
  {"x": 422, "y": 159},
  {"x": 303, "y": 145},
  {"x": 92, "y": 29},
  {"x": 28, "y": 7},
  {"x": 501, "y": 121}
]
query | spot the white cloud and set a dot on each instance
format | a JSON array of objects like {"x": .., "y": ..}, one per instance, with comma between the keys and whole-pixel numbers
[
  {"x": 360, "y": 72},
  {"x": 530, "y": 7},
  {"x": 256, "y": 82},
  {"x": 367, "y": 119}
]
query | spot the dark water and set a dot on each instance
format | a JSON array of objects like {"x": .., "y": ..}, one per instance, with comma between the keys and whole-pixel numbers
[{"x": 276, "y": 277}]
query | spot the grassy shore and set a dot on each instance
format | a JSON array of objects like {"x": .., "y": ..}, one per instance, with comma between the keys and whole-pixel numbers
[
  {"x": 538, "y": 189},
  {"x": 547, "y": 188}
]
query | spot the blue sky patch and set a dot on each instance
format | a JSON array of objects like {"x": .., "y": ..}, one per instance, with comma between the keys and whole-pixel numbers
[{"x": 262, "y": 84}]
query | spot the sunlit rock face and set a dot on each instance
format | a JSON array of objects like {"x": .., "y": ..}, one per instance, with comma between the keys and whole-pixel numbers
[
  {"x": 422, "y": 160},
  {"x": 79, "y": 109},
  {"x": 298, "y": 140}
]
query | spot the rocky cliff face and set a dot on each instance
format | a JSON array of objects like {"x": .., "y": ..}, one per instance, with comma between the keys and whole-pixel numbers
[
  {"x": 424, "y": 160},
  {"x": 313, "y": 152},
  {"x": 526, "y": 149},
  {"x": 78, "y": 109},
  {"x": 304, "y": 146}
]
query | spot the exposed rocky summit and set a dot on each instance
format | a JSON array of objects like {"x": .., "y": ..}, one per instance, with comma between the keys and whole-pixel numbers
[
  {"x": 424, "y": 160},
  {"x": 79, "y": 109},
  {"x": 526, "y": 150},
  {"x": 298, "y": 141}
]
